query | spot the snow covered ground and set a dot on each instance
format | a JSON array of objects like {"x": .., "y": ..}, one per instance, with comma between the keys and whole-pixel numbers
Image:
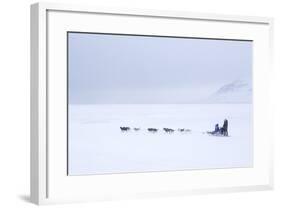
[{"x": 97, "y": 146}]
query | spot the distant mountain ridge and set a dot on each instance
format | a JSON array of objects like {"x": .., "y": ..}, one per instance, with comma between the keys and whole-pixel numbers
[{"x": 238, "y": 91}]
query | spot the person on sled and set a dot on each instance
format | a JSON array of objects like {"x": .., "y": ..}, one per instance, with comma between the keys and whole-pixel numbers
[{"x": 224, "y": 129}]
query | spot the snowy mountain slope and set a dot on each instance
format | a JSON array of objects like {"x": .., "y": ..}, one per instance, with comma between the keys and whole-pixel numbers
[{"x": 238, "y": 91}]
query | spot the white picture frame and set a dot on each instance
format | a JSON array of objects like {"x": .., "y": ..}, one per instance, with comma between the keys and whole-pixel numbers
[{"x": 49, "y": 180}]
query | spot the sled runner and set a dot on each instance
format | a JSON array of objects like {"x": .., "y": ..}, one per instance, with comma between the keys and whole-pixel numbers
[{"x": 216, "y": 134}]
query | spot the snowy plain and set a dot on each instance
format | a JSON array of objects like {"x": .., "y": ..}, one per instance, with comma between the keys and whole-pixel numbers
[{"x": 96, "y": 144}]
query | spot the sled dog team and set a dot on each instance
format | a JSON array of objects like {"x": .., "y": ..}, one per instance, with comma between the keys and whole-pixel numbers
[
  {"x": 219, "y": 131},
  {"x": 154, "y": 130}
]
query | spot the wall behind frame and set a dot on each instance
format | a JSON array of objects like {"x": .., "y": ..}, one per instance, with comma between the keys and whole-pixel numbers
[{"x": 14, "y": 110}]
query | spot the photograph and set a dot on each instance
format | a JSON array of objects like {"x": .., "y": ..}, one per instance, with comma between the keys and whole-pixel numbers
[{"x": 147, "y": 103}]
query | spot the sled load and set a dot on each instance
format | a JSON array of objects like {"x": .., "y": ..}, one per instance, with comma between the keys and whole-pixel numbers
[{"x": 223, "y": 131}]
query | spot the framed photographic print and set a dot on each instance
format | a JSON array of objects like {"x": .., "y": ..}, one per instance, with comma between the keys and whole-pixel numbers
[{"x": 137, "y": 103}]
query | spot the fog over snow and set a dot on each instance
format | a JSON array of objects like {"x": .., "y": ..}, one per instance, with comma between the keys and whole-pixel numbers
[{"x": 119, "y": 69}]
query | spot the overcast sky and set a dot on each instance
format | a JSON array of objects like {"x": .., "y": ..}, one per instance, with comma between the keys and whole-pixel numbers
[{"x": 120, "y": 69}]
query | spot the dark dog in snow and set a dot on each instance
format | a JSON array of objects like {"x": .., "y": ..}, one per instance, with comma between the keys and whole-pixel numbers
[
  {"x": 136, "y": 129},
  {"x": 125, "y": 128},
  {"x": 153, "y": 130},
  {"x": 168, "y": 130},
  {"x": 184, "y": 130}
]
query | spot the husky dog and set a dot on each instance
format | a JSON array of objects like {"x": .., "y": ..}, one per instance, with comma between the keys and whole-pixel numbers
[
  {"x": 168, "y": 130},
  {"x": 125, "y": 128},
  {"x": 184, "y": 130},
  {"x": 152, "y": 130}
]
